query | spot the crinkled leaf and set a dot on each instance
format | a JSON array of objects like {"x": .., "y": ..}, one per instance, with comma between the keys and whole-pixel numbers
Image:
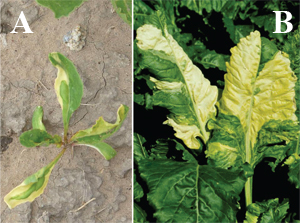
[
  {"x": 37, "y": 119},
  {"x": 179, "y": 85},
  {"x": 32, "y": 187},
  {"x": 61, "y": 7},
  {"x": 187, "y": 192},
  {"x": 226, "y": 148},
  {"x": 279, "y": 152},
  {"x": 139, "y": 215},
  {"x": 294, "y": 166},
  {"x": 123, "y": 8},
  {"x": 256, "y": 98},
  {"x": 269, "y": 211},
  {"x": 68, "y": 86},
  {"x": 37, "y": 137},
  {"x": 275, "y": 139},
  {"x": 102, "y": 129}
]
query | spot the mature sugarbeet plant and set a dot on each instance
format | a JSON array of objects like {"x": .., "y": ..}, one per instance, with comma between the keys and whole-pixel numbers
[
  {"x": 219, "y": 133},
  {"x": 69, "y": 90}
]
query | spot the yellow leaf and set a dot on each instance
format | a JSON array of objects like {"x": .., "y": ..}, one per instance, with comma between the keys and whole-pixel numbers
[{"x": 256, "y": 98}]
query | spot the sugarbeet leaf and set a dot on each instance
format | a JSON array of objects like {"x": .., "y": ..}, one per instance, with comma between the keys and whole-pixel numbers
[
  {"x": 179, "y": 85},
  {"x": 187, "y": 192}
]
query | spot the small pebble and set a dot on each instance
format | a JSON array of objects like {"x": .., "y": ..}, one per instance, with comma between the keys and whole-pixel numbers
[{"x": 75, "y": 39}]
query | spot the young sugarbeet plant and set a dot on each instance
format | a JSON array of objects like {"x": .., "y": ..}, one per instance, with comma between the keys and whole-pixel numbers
[{"x": 69, "y": 90}]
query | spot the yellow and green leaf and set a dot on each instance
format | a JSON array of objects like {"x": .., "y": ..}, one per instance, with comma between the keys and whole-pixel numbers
[
  {"x": 37, "y": 119},
  {"x": 68, "y": 86},
  {"x": 259, "y": 92},
  {"x": 267, "y": 211},
  {"x": 180, "y": 86},
  {"x": 32, "y": 187},
  {"x": 94, "y": 136},
  {"x": 37, "y": 137},
  {"x": 102, "y": 129},
  {"x": 103, "y": 148}
]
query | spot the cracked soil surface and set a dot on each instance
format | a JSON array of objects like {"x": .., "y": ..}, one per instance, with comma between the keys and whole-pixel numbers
[{"x": 27, "y": 80}]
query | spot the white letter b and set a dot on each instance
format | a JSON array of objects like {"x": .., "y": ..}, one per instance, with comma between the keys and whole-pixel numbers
[{"x": 278, "y": 21}]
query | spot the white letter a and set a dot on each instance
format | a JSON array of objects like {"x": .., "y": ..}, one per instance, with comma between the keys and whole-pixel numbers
[{"x": 24, "y": 22}]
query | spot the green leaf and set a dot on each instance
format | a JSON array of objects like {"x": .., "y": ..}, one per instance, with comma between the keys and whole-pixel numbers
[
  {"x": 137, "y": 189},
  {"x": 294, "y": 166},
  {"x": 139, "y": 215},
  {"x": 123, "y": 8},
  {"x": 140, "y": 151},
  {"x": 291, "y": 218},
  {"x": 208, "y": 5},
  {"x": 61, "y": 7},
  {"x": 187, "y": 192},
  {"x": 32, "y": 187},
  {"x": 68, "y": 86},
  {"x": 179, "y": 85},
  {"x": 160, "y": 149},
  {"x": 228, "y": 8},
  {"x": 94, "y": 136},
  {"x": 37, "y": 137},
  {"x": 269, "y": 211},
  {"x": 37, "y": 119},
  {"x": 294, "y": 56},
  {"x": 139, "y": 99},
  {"x": 236, "y": 31},
  {"x": 141, "y": 11},
  {"x": 211, "y": 59}
]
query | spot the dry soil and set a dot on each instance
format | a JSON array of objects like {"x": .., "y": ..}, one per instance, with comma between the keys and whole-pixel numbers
[{"x": 27, "y": 79}]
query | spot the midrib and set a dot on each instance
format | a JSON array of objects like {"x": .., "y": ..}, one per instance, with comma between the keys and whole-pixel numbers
[
  {"x": 197, "y": 192},
  {"x": 248, "y": 184},
  {"x": 202, "y": 129},
  {"x": 248, "y": 128}
]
